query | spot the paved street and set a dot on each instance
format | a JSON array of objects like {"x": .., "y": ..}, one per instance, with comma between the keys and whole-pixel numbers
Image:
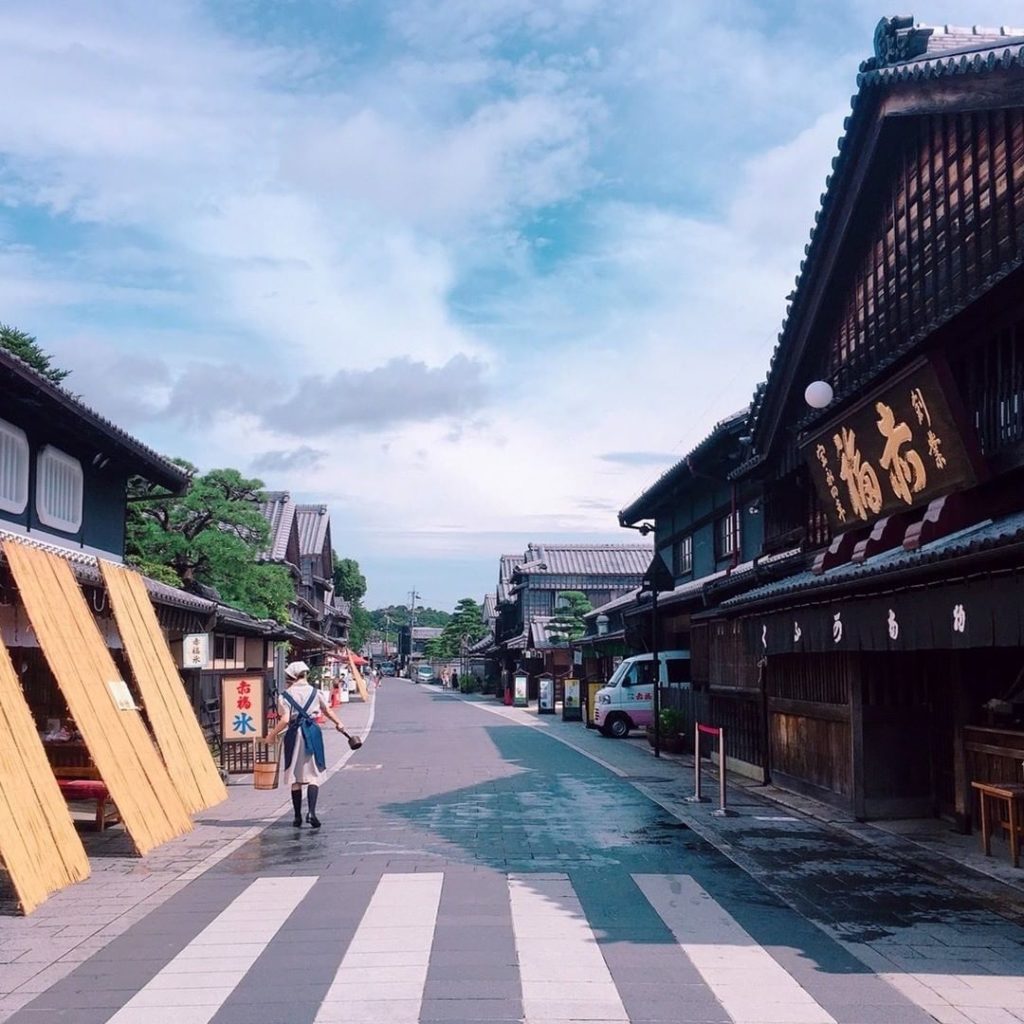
[{"x": 474, "y": 868}]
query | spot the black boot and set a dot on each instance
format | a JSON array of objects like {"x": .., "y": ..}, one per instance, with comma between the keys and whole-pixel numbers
[
  {"x": 311, "y": 795},
  {"x": 297, "y": 807}
]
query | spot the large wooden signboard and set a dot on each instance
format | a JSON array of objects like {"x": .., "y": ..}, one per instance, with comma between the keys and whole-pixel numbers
[
  {"x": 38, "y": 842},
  {"x": 118, "y": 741},
  {"x": 173, "y": 721},
  {"x": 899, "y": 448},
  {"x": 242, "y": 715}
]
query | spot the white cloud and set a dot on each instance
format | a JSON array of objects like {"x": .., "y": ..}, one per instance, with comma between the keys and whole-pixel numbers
[{"x": 592, "y": 211}]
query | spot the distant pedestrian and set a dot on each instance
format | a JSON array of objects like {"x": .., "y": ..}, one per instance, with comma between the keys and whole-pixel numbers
[
  {"x": 455, "y": 680},
  {"x": 304, "y": 761}
]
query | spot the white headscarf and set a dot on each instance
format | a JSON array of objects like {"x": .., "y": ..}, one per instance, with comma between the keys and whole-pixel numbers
[{"x": 296, "y": 669}]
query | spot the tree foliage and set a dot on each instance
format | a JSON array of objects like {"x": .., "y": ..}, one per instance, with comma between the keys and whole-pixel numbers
[
  {"x": 360, "y": 627},
  {"x": 211, "y": 535},
  {"x": 464, "y": 627},
  {"x": 348, "y": 579},
  {"x": 398, "y": 615},
  {"x": 567, "y": 622},
  {"x": 26, "y": 348}
]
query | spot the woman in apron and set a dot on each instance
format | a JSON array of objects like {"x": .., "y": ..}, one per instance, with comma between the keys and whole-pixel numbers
[{"x": 304, "y": 762}]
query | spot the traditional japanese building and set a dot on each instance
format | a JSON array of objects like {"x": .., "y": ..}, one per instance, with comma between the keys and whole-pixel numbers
[
  {"x": 528, "y": 592},
  {"x": 89, "y": 688},
  {"x": 888, "y": 443}
]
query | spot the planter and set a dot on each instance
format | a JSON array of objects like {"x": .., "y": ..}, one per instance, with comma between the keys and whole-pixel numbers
[{"x": 671, "y": 743}]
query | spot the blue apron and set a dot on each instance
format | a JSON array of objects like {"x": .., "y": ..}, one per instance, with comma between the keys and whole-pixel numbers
[{"x": 312, "y": 737}]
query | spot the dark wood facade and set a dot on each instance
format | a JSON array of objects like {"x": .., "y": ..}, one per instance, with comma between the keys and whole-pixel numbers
[{"x": 888, "y": 671}]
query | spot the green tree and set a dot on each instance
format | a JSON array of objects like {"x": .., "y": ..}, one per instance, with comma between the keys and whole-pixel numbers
[
  {"x": 27, "y": 349},
  {"x": 211, "y": 535},
  {"x": 437, "y": 647},
  {"x": 360, "y": 628},
  {"x": 348, "y": 579},
  {"x": 567, "y": 622},
  {"x": 463, "y": 629}
]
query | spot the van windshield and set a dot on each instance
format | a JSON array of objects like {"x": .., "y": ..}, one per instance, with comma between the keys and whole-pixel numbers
[{"x": 618, "y": 674}]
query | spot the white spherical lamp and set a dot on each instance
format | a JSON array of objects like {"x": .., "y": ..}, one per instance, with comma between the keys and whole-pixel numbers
[{"x": 819, "y": 394}]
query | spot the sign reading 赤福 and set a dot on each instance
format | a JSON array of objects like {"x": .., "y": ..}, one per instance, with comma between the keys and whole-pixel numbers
[
  {"x": 241, "y": 703},
  {"x": 895, "y": 450}
]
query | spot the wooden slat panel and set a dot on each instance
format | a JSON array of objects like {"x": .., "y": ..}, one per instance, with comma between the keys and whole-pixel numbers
[
  {"x": 38, "y": 842},
  {"x": 174, "y": 723},
  {"x": 118, "y": 741}
]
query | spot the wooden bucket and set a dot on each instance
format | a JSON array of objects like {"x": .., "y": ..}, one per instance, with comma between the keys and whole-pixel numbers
[{"x": 266, "y": 774}]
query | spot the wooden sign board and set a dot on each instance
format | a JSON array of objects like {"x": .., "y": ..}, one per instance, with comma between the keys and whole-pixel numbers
[
  {"x": 241, "y": 707},
  {"x": 897, "y": 449}
]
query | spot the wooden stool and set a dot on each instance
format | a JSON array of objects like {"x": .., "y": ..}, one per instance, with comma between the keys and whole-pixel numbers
[{"x": 1008, "y": 799}]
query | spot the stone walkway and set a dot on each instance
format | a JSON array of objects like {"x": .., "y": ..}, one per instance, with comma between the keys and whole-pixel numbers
[{"x": 71, "y": 926}]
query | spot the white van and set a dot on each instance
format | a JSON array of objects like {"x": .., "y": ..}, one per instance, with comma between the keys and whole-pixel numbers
[{"x": 627, "y": 702}]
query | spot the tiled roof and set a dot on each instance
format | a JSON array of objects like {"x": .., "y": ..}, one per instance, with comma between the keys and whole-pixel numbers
[
  {"x": 947, "y": 53},
  {"x": 312, "y": 522},
  {"x": 586, "y": 559},
  {"x": 341, "y": 606},
  {"x": 279, "y": 511},
  {"x": 898, "y": 40},
  {"x": 984, "y": 537},
  {"x": 488, "y": 609},
  {"x": 483, "y": 644},
  {"x": 426, "y": 632},
  {"x": 141, "y": 458},
  {"x": 731, "y": 425},
  {"x": 87, "y": 570},
  {"x": 539, "y": 631},
  {"x": 505, "y": 566}
]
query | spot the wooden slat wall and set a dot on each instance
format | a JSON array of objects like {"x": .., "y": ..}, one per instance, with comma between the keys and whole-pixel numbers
[
  {"x": 174, "y": 723},
  {"x": 949, "y": 218},
  {"x": 38, "y": 842},
  {"x": 118, "y": 741}
]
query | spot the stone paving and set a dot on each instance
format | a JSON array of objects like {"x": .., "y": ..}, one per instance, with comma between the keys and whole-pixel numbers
[
  {"x": 952, "y": 940},
  {"x": 472, "y": 869},
  {"x": 123, "y": 888}
]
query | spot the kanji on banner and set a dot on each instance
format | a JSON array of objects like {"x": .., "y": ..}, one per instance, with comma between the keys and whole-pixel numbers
[{"x": 241, "y": 704}]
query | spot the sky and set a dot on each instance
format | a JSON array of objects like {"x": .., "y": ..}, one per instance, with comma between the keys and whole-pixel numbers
[{"x": 473, "y": 273}]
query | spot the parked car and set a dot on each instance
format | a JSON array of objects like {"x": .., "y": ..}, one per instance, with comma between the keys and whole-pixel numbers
[
  {"x": 627, "y": 702},
  {"x": 423, "y": 674},
  {"x": 387, "y": 669}
]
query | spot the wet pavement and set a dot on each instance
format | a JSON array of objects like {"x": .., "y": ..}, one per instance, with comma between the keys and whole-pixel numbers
[{"x": 471, "y": 868}]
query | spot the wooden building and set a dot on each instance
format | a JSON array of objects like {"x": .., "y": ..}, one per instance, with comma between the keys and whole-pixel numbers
[
  {"x": 527, "y": 596},
  {"x": 92, "y": 705},
  {"x": 892, "y": 664}
]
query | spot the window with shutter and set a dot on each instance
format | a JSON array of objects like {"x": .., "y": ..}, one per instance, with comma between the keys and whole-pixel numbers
[
  {"x": 59, "y": 486},
  {"x": 13, "y": 469}
]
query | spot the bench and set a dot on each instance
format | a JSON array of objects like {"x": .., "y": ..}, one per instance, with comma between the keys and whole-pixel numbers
[{"x": 74, "y": 788}]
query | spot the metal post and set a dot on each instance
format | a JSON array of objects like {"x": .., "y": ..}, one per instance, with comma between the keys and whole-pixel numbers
[
  {"x": 657, "y": 671},
  {"x": 723, "y": 811},
  {"x": 698, "y": 797}
]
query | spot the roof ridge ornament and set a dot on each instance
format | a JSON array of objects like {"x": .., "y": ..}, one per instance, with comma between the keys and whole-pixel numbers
[{"x": 898, "y": 39}]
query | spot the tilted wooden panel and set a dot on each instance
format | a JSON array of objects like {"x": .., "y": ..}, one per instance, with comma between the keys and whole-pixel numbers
[
  {"x": 118, "y": 742},
  {"x": 38, "y": 842},
  {"x": 174, "y": 723}
]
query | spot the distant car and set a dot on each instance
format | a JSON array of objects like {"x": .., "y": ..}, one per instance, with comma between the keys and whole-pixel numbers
[
  {"x": 424, "y": 674},
  {"x": 387, "y": 669}
]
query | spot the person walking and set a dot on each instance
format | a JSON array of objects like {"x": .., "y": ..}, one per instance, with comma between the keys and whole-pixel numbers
[{"x": 304, "y": 760}]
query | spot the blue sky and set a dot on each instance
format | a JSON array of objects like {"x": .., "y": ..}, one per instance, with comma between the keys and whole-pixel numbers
[{"x": 473, "y": 273}]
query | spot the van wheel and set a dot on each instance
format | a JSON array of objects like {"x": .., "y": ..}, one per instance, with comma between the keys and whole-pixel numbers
[{"x": 618, "y": 727}]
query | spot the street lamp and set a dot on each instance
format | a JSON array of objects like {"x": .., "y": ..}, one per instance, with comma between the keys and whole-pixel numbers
[{"x": 819, "y": 394}]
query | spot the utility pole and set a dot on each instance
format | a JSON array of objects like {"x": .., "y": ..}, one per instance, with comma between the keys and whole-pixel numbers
[{"x": 413, "y": 598}]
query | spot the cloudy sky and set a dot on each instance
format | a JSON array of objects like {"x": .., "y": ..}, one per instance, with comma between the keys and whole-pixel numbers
[{"x": 472, "y": 272}]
